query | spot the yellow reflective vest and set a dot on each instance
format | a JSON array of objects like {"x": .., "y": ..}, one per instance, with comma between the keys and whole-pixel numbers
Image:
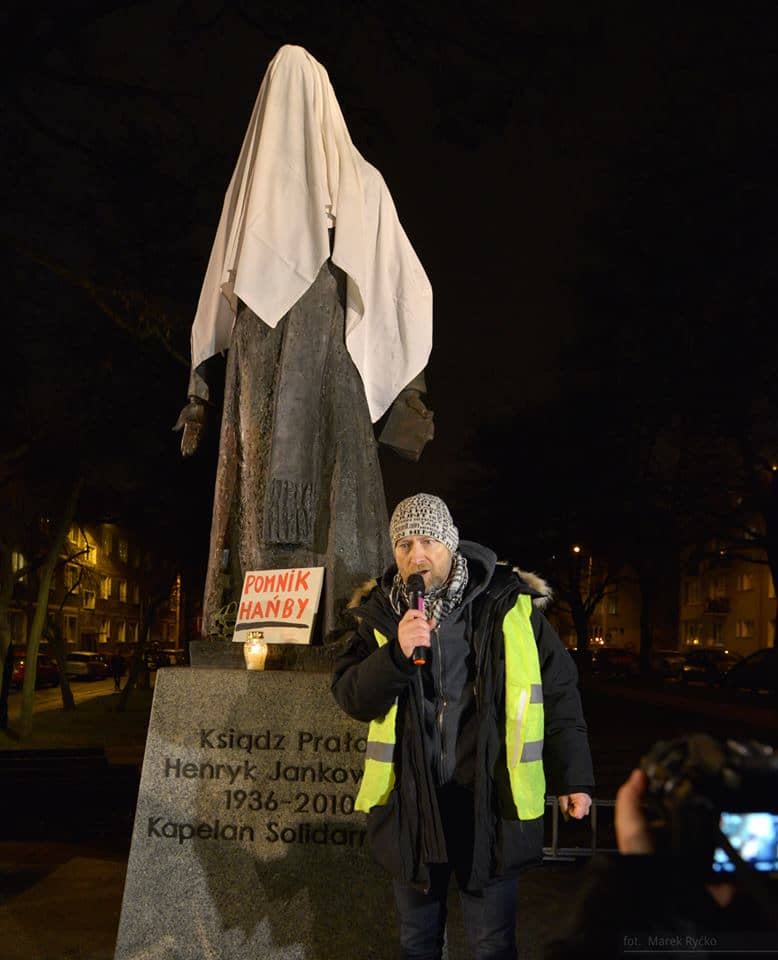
[{"x": 523, "y": 724}]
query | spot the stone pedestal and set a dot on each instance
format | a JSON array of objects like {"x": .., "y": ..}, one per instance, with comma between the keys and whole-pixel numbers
[{"x": 246, "y": 844}]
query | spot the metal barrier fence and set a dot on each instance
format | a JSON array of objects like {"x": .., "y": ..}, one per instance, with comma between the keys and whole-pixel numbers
[{"x": 557, "y": 852}]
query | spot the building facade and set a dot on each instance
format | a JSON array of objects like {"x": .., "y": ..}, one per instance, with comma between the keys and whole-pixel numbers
[
  {"x": 615, "y": 621},
  {"x": 727, "y": 601},
  {"x": 98, "y": 593}
]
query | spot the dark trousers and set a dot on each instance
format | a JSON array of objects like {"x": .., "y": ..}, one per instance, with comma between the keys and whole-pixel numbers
[{"x": 489, "y": 918}]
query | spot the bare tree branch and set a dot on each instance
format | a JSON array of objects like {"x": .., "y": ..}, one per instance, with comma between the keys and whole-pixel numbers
[{"x": 143, "y": 317}]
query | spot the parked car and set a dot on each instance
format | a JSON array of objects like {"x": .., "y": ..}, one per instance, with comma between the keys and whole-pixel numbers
[
  {"x": 614, "y": 661},
  {"x": 86, "y": 665},
  {"x": 668, "y": 664},
  {"x": 155, "y": 657},
  {"x": 708, "y": 664},
  {"x": 759, "y": 671},
  {"x": 46, "y": 672}
]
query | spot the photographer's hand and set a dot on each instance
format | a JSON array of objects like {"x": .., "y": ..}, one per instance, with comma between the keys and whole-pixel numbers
[
  {"x": 633, "y": 834},
  {"x": 632, "y": 831}
]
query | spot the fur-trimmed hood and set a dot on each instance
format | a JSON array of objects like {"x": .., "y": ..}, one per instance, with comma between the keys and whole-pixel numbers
[
  {"x": 540, "y": 587},
  {"x": 361, "y": 593}
]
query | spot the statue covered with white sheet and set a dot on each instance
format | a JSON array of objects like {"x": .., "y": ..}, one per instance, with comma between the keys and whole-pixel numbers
[{"x": 325, "y": 312}]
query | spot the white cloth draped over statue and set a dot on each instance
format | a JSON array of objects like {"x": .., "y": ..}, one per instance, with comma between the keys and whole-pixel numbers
[{"x": 297, "y": 172}]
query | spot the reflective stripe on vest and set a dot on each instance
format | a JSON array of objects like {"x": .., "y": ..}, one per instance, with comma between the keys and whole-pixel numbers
[
  {"x": 378, "y": 778},
  {"x": 524, "y": 720},
  {"x": 523, "y": 724}
]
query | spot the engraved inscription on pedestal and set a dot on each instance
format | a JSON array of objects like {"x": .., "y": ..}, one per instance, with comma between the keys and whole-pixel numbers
[
  {"x": 283, "y": 777},
  {"x": 246, "y": 842}
]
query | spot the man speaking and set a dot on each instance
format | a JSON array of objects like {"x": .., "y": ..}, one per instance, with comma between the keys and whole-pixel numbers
[{"x": 461, "y": 742}]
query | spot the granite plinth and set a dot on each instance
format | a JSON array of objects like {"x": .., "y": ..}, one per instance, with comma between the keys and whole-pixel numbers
[
  {"x": 216, "y": 655},
  {"x": 246, "y": 844}
]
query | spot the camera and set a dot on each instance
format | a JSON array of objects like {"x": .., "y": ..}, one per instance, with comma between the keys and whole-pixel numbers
[{"x": 714, "y": 804}]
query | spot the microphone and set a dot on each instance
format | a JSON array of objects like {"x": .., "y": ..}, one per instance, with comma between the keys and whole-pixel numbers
[{"x": 416, "y": 590}]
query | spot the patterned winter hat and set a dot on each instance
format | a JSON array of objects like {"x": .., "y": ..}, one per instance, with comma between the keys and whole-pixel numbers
[{"x": 423, "y": 515}]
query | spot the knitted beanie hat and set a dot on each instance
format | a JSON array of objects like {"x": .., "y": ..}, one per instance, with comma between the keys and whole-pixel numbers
[{"x": 423, "y": 515}]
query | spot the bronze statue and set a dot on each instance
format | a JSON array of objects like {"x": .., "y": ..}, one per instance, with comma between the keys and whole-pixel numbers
[{"x": 326, "y": 315}]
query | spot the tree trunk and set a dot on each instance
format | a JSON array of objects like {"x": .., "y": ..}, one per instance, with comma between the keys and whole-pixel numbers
[
  {"x": 6, "y": 592},
  {"x": 41, "y": 609},
  {"x": 646, "y": 625},
  {"x": 581, "y": 624},
  {"x": 57, "y": 641},
  {"x": 771, "y": 527},
  {"x": 138, "y": 664}
]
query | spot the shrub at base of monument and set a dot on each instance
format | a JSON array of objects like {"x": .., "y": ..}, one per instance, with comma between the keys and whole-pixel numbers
[{"x": 246, "y": 842}]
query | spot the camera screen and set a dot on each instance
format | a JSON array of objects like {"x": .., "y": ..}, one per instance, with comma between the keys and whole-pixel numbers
[{"x": 755, "y": 838}]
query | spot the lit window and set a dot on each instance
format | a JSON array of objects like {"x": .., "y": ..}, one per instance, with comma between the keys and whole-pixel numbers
[
  {"x": 88, "y": 599},
  {"x": 105, "y": 588},
  {"x": 744, "y": 629},
  {"x": 132, "y": 632},
  {"x": 692, "y": 591},
  {"x": 121, "y": 631},
  {"x": 123, "y": 550},
  {"x": 72, "y": 578},
  {"x": 123, "y": 591},
  {"x": 107, "y": 541},
  {"x": 71, "y": 629},
  {"x": 86, "y": 549},
  {"x": 745, "y": 581},
  {"x": 90, "y": 552},
  {"x": 717, "y": 588},
  {"x": 613, "y": 605},
  {"x": 135, "y": 593},
  {"x": 105, "y": 630},
  {"x": 18, "y": 563},
  {"x": 692, "y": 632}
]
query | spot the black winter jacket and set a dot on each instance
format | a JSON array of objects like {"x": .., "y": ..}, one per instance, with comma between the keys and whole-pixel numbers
[{"x": 451, "y": 726}]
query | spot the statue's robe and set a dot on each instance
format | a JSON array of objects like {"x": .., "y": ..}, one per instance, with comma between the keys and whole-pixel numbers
[{"x": 348, "y": 533}]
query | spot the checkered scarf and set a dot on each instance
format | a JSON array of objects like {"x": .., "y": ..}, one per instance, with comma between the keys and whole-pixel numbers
[{"x": 438, "y": 603}]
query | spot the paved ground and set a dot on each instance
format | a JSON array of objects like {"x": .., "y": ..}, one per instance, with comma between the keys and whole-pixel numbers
[
  {"x": 94, "y": 723},
  {"x": 67, "y": 904},
  {"x": 60, "y": 891}
]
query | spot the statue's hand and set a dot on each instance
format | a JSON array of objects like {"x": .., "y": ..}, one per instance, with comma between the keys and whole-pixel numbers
[
  {"x": 409, "y": 427},
  {"x": 192, "y": 421}
]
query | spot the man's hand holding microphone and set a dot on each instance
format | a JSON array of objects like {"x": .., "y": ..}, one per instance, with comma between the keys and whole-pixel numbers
[{"x": 414, "y": 631}]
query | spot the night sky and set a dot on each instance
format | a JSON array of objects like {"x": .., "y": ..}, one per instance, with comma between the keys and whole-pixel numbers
[{"x": 524, "y": 146}]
